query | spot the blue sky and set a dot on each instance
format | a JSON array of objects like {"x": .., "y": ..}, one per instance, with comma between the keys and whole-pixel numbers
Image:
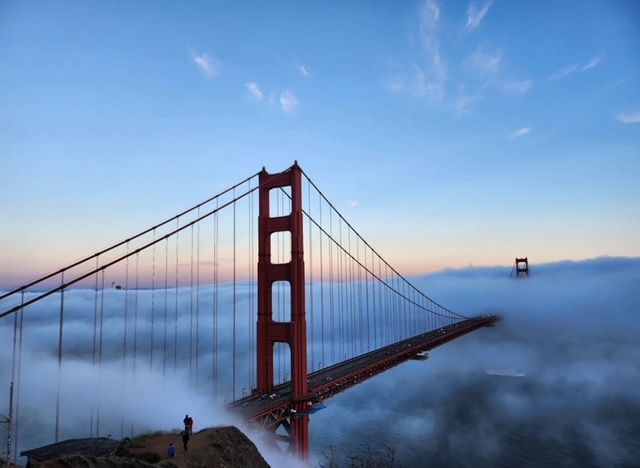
[{"x": 449, "y": 132}]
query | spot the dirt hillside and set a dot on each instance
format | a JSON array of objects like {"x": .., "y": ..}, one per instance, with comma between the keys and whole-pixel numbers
[{"x": 217, "y": 447}]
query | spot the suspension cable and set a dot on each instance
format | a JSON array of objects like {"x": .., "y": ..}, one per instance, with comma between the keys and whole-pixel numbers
[
  {"x": 119, "y": 259},
  {"x": 338, "y": 244},
  {"x": 121, "y": 243},
  {"x": 363, "y": 240}
]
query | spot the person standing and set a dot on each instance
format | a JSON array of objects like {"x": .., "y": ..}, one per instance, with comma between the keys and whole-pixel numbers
[
  {"x": 190, "y": 424},
  {"x": 171, "y": 450},
  {"x": 186, "y": 422},
  {"x": 185, "y": 440}
]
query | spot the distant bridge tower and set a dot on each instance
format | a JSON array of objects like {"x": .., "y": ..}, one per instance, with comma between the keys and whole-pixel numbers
[{"x": 522, "y": 267}]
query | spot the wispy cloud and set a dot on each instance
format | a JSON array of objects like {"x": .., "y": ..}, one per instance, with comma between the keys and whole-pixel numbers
[
  {"x": 208, "y": 65},
  {"x": 593, "y": 63},
  {"x": 351, "y": 203},
  {"x": 288, "y": 101},
  {"x": 566, "y": 71},
  {"x": 576, "y": 68},
  {"x": 517, "y": 86},
  {"x": 431, "y": 78},
  {"x": 465, "y": 102},
  {"x": 484, "y": 62},
  {"x": 519, "y": 133},
  {"x": 476, "y": 14},
  {"x": 254, "y": 91},
  {"x": 628, "y": 117},
  {"x": 428, "y": 78},
  {"x": 303, "y": 70}
]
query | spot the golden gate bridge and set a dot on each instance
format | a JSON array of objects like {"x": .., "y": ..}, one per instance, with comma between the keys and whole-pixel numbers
[{"x": 263, "y": 297}]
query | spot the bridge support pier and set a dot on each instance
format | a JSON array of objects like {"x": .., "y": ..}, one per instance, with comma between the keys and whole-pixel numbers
[{"x": 294, "y": 332}]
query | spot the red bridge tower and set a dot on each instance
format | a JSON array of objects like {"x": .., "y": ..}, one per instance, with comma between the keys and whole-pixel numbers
[{"x": 294, "y": 333}]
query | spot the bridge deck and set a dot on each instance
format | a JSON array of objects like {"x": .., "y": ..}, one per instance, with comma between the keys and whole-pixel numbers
[{"x": 337, "y": 378}]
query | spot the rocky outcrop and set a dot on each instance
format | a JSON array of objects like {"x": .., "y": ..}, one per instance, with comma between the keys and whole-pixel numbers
[{"x": 220, "y": 447}]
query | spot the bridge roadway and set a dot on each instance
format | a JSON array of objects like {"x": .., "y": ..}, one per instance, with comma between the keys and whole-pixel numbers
[{"x": 268, "y": 410}]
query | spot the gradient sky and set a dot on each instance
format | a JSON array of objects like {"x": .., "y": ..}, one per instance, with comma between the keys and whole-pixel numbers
[{"x": 449, "y": 133}]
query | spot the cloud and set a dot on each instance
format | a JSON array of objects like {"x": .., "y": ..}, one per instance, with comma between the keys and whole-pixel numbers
[
  {"x": 254, "y": 91},
  {"x": 429, "y": 79},
  {"x": 628, "y": 117},
  {"x": 576, "y": 68},
  {"x": 593, "y": 63},
  {"x": 288, "y": 101},
  {"x": 208, "y": 65},
  {"x": 519, "y": 133},
  {"x": 427, "y": 76},
  {"x": 566, "y": 71},
  {"x": 576, "y": 400},
  {"x": 351, "y": 203},
  {"x": 303, "y": 70},
  {"x": 484, "y": 62},
  {"x": 517, "y": 86},
  {"x": 476, "y": 14},
  {"x": 465, "y": 102}
]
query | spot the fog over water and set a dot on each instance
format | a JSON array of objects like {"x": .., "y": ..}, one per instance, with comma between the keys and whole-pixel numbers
[{"x": 572, "y": 328}]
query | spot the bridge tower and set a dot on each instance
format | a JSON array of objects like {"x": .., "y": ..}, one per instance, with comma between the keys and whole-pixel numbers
[
  {"x": 522, "y": 267},
  {"x": 294, "y": 332}
]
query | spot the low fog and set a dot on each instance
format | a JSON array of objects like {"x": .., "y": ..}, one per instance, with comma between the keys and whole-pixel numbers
[{"x": 572, "y": 328}]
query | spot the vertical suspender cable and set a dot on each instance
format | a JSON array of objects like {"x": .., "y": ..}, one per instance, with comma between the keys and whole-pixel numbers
[
  {"x": 361, "y": 320},
  {"x": 124, "y": 335},
  {"x": 135, "y": 315},
  {"x": 350, "y": 295},
  {"x": 350, "y": 285},
  {"x": 216, "y": 261},
  {"x": 135, "y": 326},
  {"x": 323, "y": 362},
  {"x": 387, "y": 311},
  {"x": 166, "y": 298},
  {"x": 57, "y": 431},
  {"x": 197, "y": 302},
  {"x": 366, "y": 292},
  {"x": 332, "y": 285},
  {"x": 18, "y": 379},
  {"x": 191, "y": 315},
  {"x": 310, "y": 273},
  {"x": 153, "y": 300},
  {"x": 354, "y": 301},
  {"x": 374, "y": 284},
  {"x": 100, "y": 354},
  {"x": 234, "y": 298},
  {"x": 340, "y": 292},
  {"x": 95, "y": 328},
  {"x": 175, "y": 317},
  {"x": 126, "y": 313},
  {"x": 10, "y": 421}
]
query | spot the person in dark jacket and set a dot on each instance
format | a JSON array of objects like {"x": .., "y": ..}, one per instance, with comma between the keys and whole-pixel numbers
[
  {"x": 185, "y": 440},
  {"x": 188, "y": 423}
]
